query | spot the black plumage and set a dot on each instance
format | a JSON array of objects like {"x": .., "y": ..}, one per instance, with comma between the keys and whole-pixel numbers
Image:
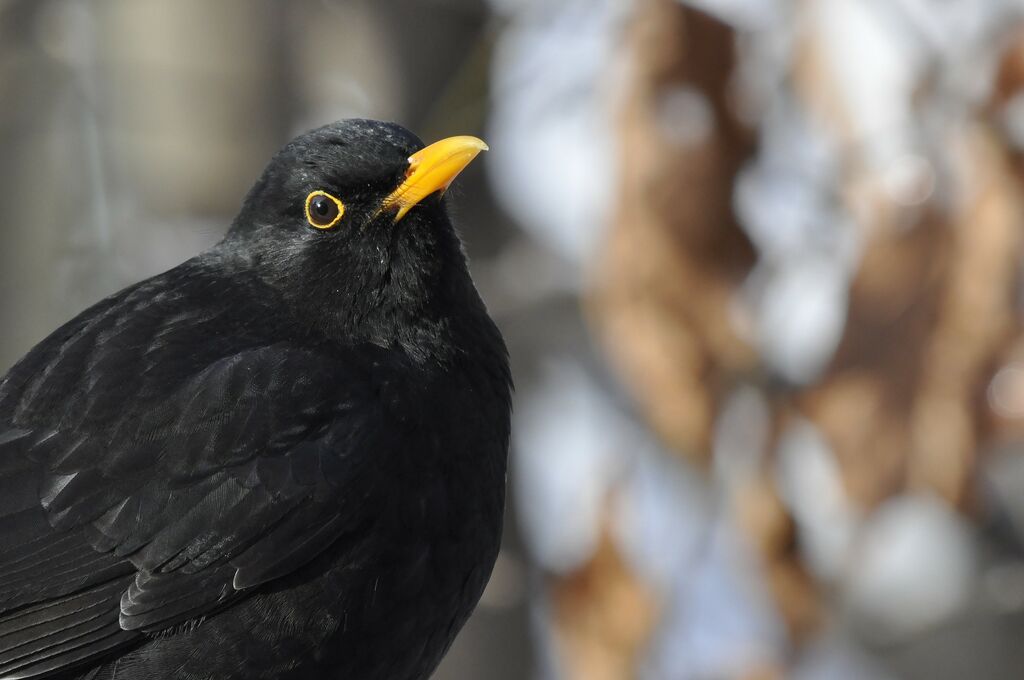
[{"x": 284, "y": 458}]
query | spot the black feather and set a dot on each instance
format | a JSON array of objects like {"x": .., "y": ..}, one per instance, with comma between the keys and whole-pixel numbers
[{"x": 282, "y": 458}]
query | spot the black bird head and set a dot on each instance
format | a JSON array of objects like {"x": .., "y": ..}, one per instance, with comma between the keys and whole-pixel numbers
[{"x": 347, "y": 223}]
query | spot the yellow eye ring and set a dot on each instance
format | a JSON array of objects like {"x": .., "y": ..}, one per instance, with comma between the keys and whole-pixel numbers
[{"x": 323, "y": 211}]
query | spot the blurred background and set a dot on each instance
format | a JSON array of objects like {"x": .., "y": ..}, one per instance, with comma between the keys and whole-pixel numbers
[{"x": 758, "y": 263}]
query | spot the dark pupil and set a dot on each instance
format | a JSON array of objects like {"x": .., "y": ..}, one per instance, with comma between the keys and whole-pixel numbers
[{"x": 323, "y": 207}]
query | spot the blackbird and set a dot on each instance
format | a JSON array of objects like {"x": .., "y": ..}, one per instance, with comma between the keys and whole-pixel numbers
[{"x": 283, "y": 458}]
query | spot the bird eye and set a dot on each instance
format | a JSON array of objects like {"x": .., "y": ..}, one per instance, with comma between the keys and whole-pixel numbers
[{"x": 323, "y": 211}]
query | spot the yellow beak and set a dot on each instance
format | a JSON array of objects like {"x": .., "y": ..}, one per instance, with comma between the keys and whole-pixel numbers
[{"x": 431, "y": 169}]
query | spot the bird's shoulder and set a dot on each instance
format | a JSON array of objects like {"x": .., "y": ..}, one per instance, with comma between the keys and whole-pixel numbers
[
  {"x": 174, "y": 432},
  {"x": 199, "y": 323}
]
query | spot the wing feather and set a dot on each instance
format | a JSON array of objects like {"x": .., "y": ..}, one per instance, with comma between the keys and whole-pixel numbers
[
  {"x": 152, "y": 479},
  {"x": 58, "y": 632}
]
